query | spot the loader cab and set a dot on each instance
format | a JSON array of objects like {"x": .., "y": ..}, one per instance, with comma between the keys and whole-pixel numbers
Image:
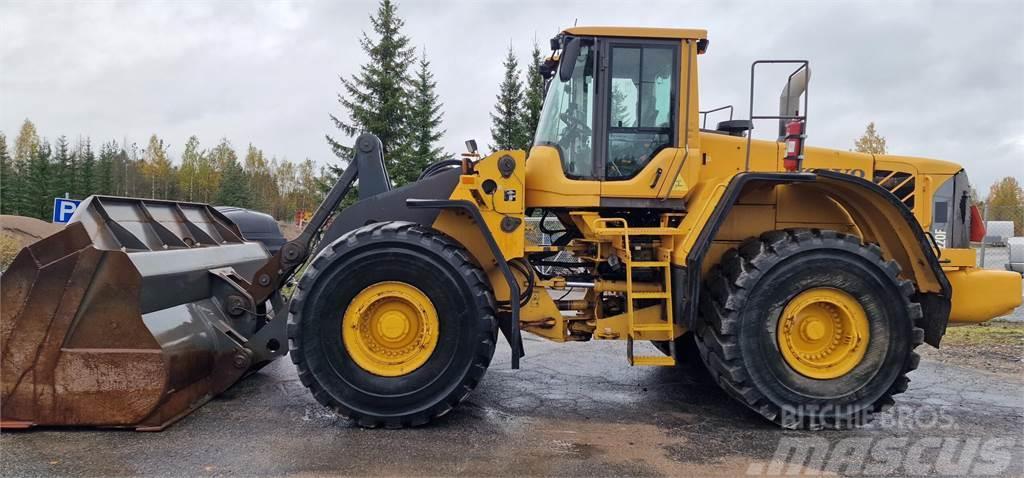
[{"x": 613, "y": 130}]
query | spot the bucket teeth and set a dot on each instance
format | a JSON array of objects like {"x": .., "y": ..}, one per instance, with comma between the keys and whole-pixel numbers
[{"x": 94, "y": 333}]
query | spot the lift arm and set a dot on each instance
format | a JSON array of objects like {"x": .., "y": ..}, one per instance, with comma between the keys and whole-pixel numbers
[{"x": 369, "y": 159}]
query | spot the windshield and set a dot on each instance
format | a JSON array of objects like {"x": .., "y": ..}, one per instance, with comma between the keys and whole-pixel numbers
[{"x": 566, "y": 121}]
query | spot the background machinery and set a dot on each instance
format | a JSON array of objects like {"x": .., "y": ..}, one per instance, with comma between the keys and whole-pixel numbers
[{"x": 803, "y": 278}]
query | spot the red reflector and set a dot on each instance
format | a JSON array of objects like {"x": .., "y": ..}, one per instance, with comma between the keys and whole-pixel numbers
[{"x": 977, "y": 225}]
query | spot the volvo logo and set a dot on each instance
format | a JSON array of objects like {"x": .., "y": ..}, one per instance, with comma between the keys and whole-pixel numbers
[{"x": 852, "y": 172}]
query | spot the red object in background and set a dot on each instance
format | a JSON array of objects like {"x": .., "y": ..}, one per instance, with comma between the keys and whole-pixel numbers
[
  {"x": 299, "y": 216},
  {"x": 978, "y": 228},
  {"x": 794, "y": 145}
]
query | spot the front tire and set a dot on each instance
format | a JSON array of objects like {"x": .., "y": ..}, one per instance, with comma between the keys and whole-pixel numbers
[
  {"x": 392, "y": 325},
  {"x": 811, "y": 329}
]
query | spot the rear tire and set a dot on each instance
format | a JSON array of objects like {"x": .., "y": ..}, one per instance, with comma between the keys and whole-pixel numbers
[
  {"x": 421, "y": 260},
  {"x": 738, "y": 331}
]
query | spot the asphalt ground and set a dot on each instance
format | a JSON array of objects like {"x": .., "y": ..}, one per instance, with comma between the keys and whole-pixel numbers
[{"x": 573, "y": 409}]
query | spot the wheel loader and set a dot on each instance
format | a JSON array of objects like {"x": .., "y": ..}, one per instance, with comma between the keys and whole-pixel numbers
[{"x": 802, "y": 278}]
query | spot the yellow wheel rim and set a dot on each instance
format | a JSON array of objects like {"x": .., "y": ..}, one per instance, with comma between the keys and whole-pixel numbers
[
  {"x": 390, "y": 329},
  {"x": 823, "y": 333}
]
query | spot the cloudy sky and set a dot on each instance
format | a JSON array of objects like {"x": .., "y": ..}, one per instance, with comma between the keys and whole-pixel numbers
[{"x": 940, "y": 79}]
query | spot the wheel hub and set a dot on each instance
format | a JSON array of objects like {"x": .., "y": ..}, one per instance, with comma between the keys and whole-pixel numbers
[
  {"x": 390, "y": 328},
  {"x": 823, "y": 333}
]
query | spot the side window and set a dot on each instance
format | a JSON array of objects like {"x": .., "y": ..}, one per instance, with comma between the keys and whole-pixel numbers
[{"x": 641, "y": 115}]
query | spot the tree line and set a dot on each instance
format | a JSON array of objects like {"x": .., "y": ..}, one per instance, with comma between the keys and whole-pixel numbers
[
  {"x": 393, "y": 95},
  {"x": 34, "y": 171}
]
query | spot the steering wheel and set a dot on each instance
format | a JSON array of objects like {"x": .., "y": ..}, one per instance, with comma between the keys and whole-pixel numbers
[
  {"x": 614, "y": 169},
  {"x": 574, "y": 124}
]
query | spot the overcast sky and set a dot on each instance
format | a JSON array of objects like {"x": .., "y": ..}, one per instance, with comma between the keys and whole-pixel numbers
[{"x": 940, "y": 79}]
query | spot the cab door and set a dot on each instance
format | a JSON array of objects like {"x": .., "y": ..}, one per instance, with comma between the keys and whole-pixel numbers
[{"x": 637, "y": 120}]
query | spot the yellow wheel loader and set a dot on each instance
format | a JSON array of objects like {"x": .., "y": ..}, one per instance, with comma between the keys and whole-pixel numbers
[{"x": 802, "y": 278}]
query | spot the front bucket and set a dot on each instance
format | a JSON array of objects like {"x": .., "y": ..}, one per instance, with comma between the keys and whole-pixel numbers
[{"x": 132, "y": 316}]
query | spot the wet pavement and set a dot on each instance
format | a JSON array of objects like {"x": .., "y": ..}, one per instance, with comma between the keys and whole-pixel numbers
[{"x": 574, "y": 409}]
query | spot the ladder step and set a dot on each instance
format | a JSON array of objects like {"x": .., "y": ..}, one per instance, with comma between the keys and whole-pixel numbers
[
  {"x": 653, "y": 327},
  {"x": 648, "y": 295},
  {"x": 664, "y": 361},
  {"x": 637, "y": 231},
  {"x": 649, "y": 264}
]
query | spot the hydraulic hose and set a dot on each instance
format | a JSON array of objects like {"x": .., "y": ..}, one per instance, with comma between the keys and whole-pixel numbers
[{"x": 435, "y": 168}]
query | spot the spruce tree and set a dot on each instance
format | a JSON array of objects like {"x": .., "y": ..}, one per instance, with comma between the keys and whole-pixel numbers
[
  {"x": 72, "y": 171},
  {"x": 37, "y": 184},
  {"x": 424, "y": 125},
  {"x": 8, "y": 178},
  {"x": 86, "y": 170},
  {"x": 534, "y": 97},
  {"x": 105, "y": 168},
  {"x": 61, "y": 171},
  {"x": 507, "y": 130},
  {"x": 234, "y": 190},
  {"x": 375, "y": 99}
]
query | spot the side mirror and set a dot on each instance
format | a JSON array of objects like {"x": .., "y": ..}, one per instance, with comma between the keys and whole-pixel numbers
[
  {"x": 547, "y": 69},
  {"x": 567, "y": 61},
  {"x": 471, "y": 145}
]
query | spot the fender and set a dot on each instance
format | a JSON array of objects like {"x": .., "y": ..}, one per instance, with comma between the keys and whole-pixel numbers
[
  {"x": 879, "y": 215},
  {"x": 509, "y": 328},
  {"x": 686, "y": 281},
  {"x": 884, "y": 219}
]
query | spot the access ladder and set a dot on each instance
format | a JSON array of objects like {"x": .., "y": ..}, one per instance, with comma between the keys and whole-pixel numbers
[{"x": 618, "y": 228}]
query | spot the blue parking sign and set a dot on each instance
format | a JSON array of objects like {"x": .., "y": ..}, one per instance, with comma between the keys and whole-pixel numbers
[{"x": 63, "y": 209}]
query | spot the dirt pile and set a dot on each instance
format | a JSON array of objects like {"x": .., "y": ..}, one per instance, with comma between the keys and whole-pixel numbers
[
  {"x": 26, "y": 230},
  {"x": 17, "y": 232}
]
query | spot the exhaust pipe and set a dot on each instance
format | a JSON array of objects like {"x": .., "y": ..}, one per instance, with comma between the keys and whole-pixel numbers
[{"x": 789, "y": 100}]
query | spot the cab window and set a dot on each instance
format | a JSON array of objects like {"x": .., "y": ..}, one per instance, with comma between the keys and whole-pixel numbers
[
  {"x": 641, "y": 113},
  {"x": 566, "y": 120}
]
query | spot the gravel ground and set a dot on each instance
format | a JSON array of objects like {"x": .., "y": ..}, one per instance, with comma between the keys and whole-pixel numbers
[
  {"x": 996, "y": 347},
  {"x": 573, "y": 410}
]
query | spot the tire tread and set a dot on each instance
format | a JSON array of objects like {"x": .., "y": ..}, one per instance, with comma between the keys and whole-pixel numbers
[
  {"x": 432, "y": 240},
  {"x": 725, "y": 293}
]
